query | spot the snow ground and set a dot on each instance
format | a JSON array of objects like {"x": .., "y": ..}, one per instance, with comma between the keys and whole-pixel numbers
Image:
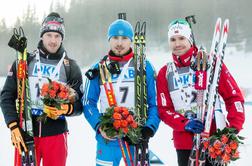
[{"x": 82, "y": 145}]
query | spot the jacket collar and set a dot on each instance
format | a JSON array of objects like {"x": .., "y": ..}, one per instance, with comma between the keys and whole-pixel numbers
[
  {"x": 185, "y": 59},
  {"x": 125, "y": 57}
]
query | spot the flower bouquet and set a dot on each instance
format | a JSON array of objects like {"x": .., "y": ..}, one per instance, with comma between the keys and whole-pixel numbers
[
  {"x": 222, "y": 146},
  {"x": 53, "y": 94},
  {"x": 120, "y": 122}
]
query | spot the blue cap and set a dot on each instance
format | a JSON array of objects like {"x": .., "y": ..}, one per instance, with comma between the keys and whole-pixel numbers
[{"x": 120, "y": 27}]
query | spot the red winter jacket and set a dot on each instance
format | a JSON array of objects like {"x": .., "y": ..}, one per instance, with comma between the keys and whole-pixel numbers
[{"x": 228, "y": 89}]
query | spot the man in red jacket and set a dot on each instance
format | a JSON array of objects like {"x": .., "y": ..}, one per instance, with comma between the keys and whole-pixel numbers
[{"x": 176, "y": 94}]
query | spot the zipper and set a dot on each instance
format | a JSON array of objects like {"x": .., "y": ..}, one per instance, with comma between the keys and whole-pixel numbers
[{"x": 40, "y": 129}]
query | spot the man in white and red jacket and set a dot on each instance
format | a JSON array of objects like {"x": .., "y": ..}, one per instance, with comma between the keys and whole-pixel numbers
[{"x": 176, "y": 94}]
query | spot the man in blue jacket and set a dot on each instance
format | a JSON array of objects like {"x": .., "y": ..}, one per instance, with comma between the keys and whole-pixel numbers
[{"x": 120, "y": 64}]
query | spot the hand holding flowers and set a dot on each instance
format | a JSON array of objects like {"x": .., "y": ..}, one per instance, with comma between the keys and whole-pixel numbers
[
  {"x": 118, "y": 122},
  {"x": 57, "y": 99}
]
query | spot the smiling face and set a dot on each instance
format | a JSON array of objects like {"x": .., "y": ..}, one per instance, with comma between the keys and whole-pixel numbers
[
  {"x": 120, "y": 45},
  {"x": 179, "y": 45},
  {"x": 51, "y": 41}
]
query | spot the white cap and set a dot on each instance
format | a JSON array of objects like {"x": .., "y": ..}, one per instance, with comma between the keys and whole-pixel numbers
[{"x": 180, "y": 27}]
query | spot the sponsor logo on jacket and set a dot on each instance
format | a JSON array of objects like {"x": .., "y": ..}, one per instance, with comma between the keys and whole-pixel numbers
[
  {"x": 184, "y": 79},
  {"x": 46, "y": 70},
  {"x": 128, "y": 75}
]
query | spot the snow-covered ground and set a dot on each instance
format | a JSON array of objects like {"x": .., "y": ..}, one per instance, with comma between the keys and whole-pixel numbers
[{"x": 81, "y": 140}]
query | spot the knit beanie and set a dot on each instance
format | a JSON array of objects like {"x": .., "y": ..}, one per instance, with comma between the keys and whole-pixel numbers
[
  {"x": 180, "y": 27},
  {"x": 53, "y": 23},
  {"x": 120, "y": 27}
]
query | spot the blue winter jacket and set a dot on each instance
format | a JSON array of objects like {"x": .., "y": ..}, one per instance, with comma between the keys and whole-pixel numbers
[{"x": 92, "y": 94}]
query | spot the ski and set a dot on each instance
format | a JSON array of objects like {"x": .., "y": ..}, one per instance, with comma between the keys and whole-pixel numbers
[
  {"x": 215, "y": 62},
  {"x": 107, "y": 84},
  {"x": 200, "y": 86},
  {"x": 19, "y": 43},
  {"x": 214, "y": 81},
  {"x": 142, "y": 151},
  {"x": 206, "y": 98},
  {"x": 196, "y": 158},
  {"x": 212, "y": 54}
]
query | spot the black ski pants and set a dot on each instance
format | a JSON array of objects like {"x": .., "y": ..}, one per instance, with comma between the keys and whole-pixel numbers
[{"x": 183, "y": 157}]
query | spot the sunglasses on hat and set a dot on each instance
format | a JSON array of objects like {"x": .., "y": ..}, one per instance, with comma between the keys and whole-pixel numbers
[{"x": 179, "y": 21}]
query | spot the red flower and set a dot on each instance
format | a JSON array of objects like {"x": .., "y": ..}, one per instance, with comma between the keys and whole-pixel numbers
[
  {"x": 117, "y": 116},
  {"x": 63, "y": 88},
  {"x": 225, "y": 157},
  {"x": 134, "y": 125},
  {"x": 117, "y": 124},
  {"x": 63, "y": 95},
  {"x": 55, "y": 85},
  {"x": 44, "y": 90},
  {"x": 130, "y": 119},
  {"x": 211, "y": 149},
  {"x": 223, "y": 146},
  {"x": 52, "y": 93},
  {"x": 117, "y": 109},
  {"x": 228, "y": 149},
  {"x": 218, "y": 152},
  {"x": 124, "y": 109},
  {"x": 55, "y": 91},
  {"x": 236, "y": 155},
  {"x": 125, "y": 130},
  {"x": 224, "y": 139},
  {"x": 213, "y": 155},
  {"x": 124, "y": 123},
  {"x": 233, "y": 145},
  {"x": 125, "y": 113},
  {"x": 217, "y": 144},
  {"x": 206, "y": 144}
]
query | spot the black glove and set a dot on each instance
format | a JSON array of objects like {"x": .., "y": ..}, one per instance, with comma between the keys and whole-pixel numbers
[
  {"x": 143, "y": 142},
  {"x": 146, "y": 133},
  {"x": 18, "y": 40},
  {"x": 194, "y": 126}
]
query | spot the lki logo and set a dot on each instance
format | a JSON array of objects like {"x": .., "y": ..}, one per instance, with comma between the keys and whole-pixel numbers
[
  {"x": 184, "y": 79},
  {"x": 46, "y": 70},
  {"x": 128, "y": 75}
]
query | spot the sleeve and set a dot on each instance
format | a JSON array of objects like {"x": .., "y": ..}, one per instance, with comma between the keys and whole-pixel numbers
[
  {"x": 89, "y": 100},
  {"x": 232, "y": 96},
  {"x": 165, "y": 106},
  {"x": 76, "y": 82},
  {"x": 153, "y": 119},
  {"x": 9, "y": 96}
]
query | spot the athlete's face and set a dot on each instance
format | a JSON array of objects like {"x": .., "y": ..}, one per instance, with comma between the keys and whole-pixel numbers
[
  {"x": 51, "y": 41},
  {"x": 120, "y": 45},
  {"x": 179, "y": 45}
]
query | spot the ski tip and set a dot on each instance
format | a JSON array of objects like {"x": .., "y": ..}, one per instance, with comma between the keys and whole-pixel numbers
[
  {"x": 218, "y": 25},
  {"x": 218, "y": 19},
  {"x": 226, "y": 26},
  {"x": 226, "y": 21},
  {"x": 137, "y": 28}
]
